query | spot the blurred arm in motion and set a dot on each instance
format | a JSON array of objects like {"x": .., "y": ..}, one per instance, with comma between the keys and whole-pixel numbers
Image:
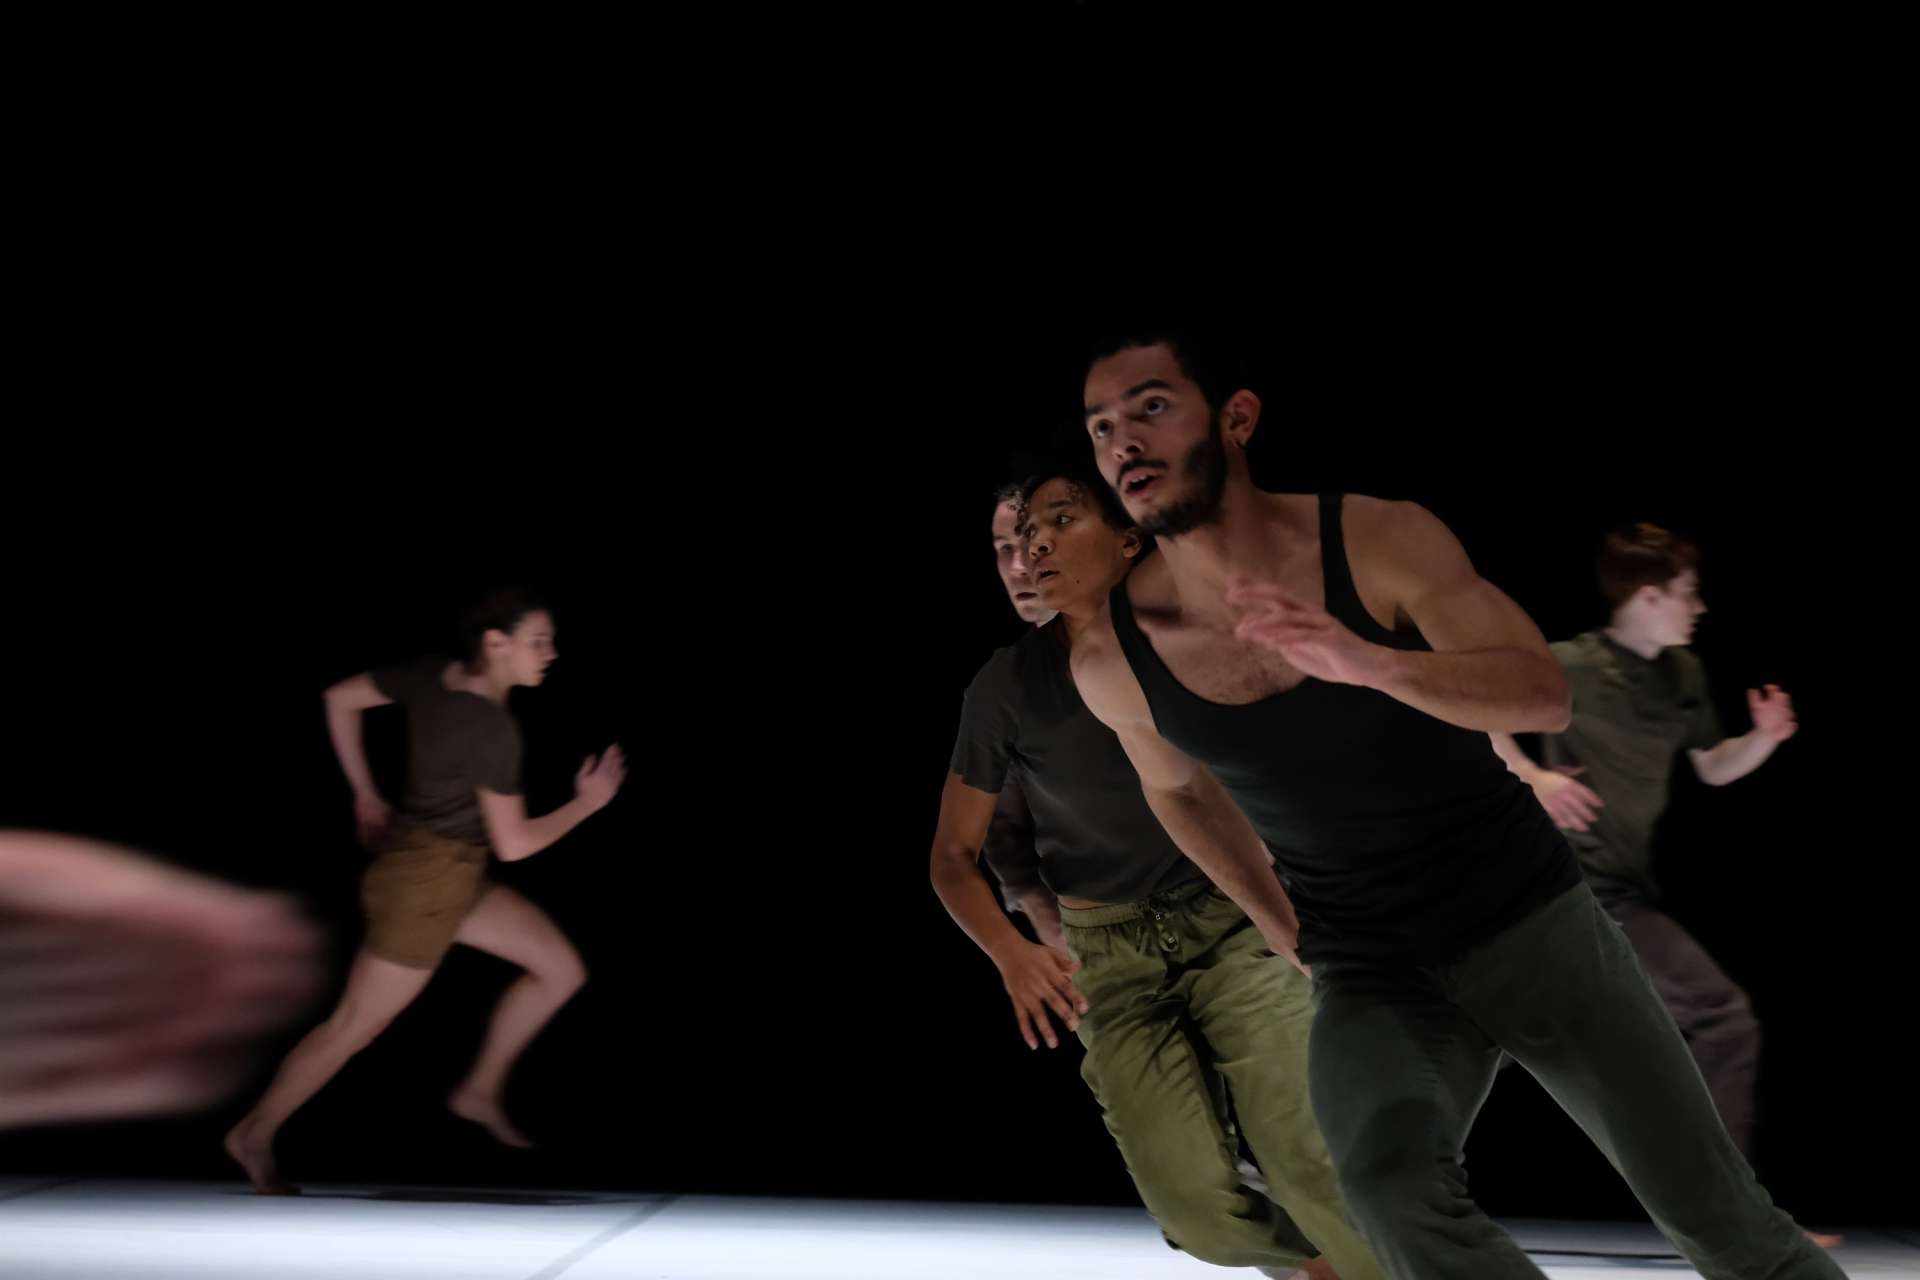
[{"x": 128, "y": 987}]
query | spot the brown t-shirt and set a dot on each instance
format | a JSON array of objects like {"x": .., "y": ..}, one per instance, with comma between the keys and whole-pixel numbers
[{"x": 457, "y": 742}]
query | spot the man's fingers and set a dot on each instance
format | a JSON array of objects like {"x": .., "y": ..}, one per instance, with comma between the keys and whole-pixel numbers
[
  {"x": 1026, "y": 1028},
  {"x": 1058, "y": 1003},
  {"x": 1045, "y": 1025},
  {"x": 1074, "y": 995}
]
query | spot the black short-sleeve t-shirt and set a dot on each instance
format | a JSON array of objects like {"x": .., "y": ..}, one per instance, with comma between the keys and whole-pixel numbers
[{"x": 1095, "y": 836}]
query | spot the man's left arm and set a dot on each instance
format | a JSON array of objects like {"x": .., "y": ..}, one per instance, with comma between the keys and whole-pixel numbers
[
  {"x": 1735, "y": 758},
  {"x": 1490, "y": 668}
]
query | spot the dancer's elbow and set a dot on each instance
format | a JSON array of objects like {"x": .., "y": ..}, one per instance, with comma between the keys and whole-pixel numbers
[
  {"x": 950, "y": 858},
  {"x": 514, "y": 846},
  {"x": 1553, "y": 710}
]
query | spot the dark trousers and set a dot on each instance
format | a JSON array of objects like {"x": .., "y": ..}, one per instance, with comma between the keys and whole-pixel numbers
[{"x": 1403, "y": 1055}]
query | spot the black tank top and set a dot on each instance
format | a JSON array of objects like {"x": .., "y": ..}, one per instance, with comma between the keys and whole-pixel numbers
[{"x": 1397, "y": 835}]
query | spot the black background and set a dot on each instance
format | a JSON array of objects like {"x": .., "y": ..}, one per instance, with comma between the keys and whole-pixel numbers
[{"x": 757, "y": 496}]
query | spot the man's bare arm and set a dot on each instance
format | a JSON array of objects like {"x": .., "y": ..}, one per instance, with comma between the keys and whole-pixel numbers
[{"x": 1198, "y": 814}]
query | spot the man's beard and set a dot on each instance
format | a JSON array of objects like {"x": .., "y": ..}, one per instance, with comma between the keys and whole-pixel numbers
[{"x": 1206, "y": 468}]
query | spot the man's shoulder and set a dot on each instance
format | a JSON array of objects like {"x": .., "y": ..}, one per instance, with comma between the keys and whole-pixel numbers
[
  {"x": 1582, "y": 652},
  {"x": 1400, "y": 543},
  {"x": 994, "y": 674},
  {"x": 1688, "y": 666}
]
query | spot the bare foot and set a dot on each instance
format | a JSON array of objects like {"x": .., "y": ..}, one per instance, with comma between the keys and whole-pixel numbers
[
  {"x": 489, "y": 1115},
  {"x": 1822, "y": 1239},
  {"x": 256, "y": 1158}
]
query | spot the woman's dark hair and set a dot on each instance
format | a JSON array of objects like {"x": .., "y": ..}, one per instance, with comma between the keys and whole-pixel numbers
[{"x": 496, "y": 609}]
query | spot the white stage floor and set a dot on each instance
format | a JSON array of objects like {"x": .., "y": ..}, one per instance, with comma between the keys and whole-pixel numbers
[{"x": 101, "y": 1230}]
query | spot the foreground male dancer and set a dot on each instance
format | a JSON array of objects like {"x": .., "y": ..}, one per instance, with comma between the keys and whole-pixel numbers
[{"x": 1315, "y": 676}]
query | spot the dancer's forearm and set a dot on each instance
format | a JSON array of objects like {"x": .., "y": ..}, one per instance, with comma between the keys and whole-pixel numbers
[
  {"x": 531, "y": 835},
  {"x": 1734, "y": 758},
  {"x": 963, "y": 890}
]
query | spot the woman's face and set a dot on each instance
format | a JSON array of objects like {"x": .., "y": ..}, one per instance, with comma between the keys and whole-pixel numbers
[{"x": 526, "y": 652}]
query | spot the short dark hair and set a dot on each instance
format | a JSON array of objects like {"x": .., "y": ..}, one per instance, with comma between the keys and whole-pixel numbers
[
  {"x": 1085, "y": 482},
  {"x": 1641, "y": 555},
  {"x": 495, "y": 609},
  {"x": 1214, "y": 362}
]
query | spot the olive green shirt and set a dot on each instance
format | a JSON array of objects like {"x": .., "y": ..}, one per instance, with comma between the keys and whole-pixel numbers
[{"x": 1631, "y": 717}]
